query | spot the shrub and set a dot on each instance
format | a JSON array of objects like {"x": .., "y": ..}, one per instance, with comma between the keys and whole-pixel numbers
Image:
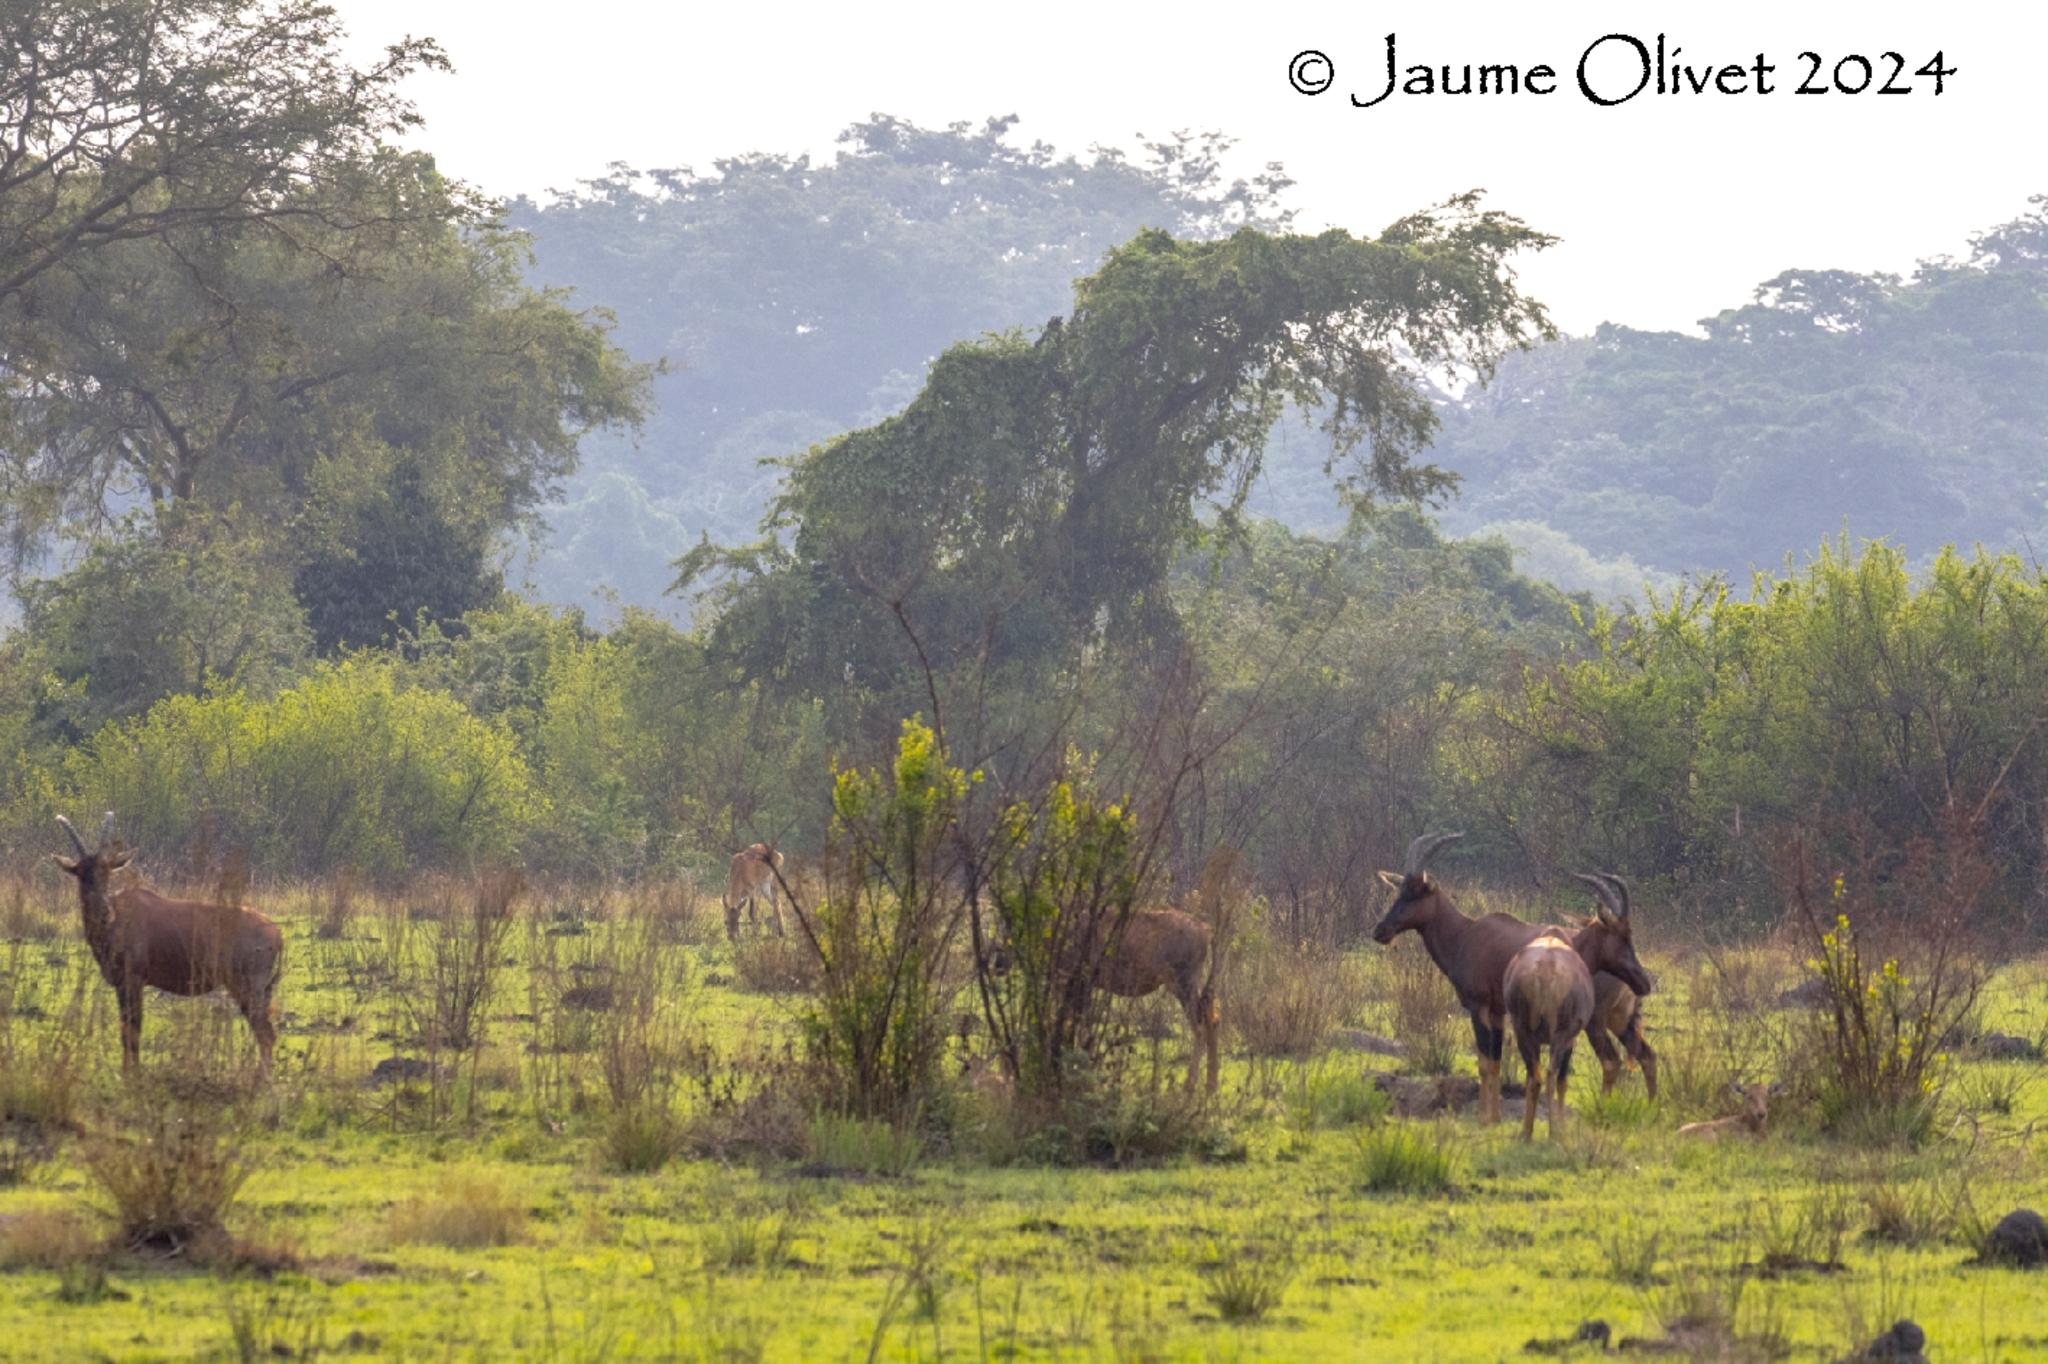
[
  {"x": 884, "y": 933},
  {"x": 171, "y": 1169},
  {"x": 347, "y": 768},
  {"x": 1886, "y": 1025}
]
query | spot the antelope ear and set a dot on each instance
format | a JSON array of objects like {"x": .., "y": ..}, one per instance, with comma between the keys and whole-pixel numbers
[
  {"x": 1608, "y": 916},
  {"x": 120, "y": 859},
  {"x": 61, "y": 860},
  {"x": 1735, "y": 1088},
  {"x": 1392, "y": 879},
  {"x": 1775, "y": 1090}
]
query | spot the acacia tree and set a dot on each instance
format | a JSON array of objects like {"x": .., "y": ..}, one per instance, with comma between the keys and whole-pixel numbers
[
  {"x": 128, "y": 119},
  {"x": 1049, "y": 479}
]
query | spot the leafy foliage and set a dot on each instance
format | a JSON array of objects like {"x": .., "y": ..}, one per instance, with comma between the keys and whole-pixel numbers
[
  {"x": 346, "y": 768},
  {"x": 1035, "y": 492}
]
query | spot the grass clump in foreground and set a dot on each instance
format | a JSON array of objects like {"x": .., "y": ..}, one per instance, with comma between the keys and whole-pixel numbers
[{"x": 1402, "y": 1158}]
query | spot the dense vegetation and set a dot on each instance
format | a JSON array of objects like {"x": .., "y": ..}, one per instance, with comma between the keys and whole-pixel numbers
[
  {"x": 799, "y": 299},
  {"x": 1014, "y": 657}
]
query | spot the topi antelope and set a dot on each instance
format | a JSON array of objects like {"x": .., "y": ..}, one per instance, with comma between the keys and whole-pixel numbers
[
  {"x": 183, "y": 947},
  {"x": 1170, "y": 947},
  {"x": 1159, "y": 947},
  {"x": 1756, "y": 1102},
  {"x": 753, "y": 874},
  {"x": 1549, "y": 993},
  {"x": 1617, "y": 1010},
  {"x": 1473, "y": 954},
  {"x": 1549, "y": 997}
]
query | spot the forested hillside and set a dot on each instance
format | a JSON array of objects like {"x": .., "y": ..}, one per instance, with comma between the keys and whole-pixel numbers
[
  {"x": 1914, "y": 408},
  {"x": 794, "y": 300}
]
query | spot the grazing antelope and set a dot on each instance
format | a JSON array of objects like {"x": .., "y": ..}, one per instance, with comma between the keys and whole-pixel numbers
[
  {"x": 1473, "y": 954},
  {"x": 1756, "y": 1102},
  {"x": 1172, "y": 948},
  {"x": 1618, "y": 1013},
  {"x": 752, "y": 874},
  {"x": 1548, "y": 989},
  {"x": 183, "y": 947}
]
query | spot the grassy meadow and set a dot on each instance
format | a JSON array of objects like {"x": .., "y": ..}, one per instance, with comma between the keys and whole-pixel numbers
[{"x": 589, "y": 1142}]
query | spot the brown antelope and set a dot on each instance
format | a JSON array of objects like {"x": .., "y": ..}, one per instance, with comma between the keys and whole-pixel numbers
[
  {"x": 1473, "y": 954},
  {"x": 183, "y": 947},
  {"x": 753, "y": 874},
  {"x": 1756, "y": 1102},
  {"x": 1548, "y": 989},
  {"x": 1172, "y": 948},
  {"x": 1618, "y": 1012},
  {"x": 1549, "y": 996}
]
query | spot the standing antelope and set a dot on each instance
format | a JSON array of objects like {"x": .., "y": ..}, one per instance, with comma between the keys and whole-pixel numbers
[
  {"x": 1618, "y": 1012},
  {"x": 1549, "y": 995},
  {"x": 1548, "y": 989},
  {"x": 1473, "y": 954},
  {"x": 753, "y": 873},
  {"x": 1170, "y": 947},
  {"x": 183, "y": 947}
]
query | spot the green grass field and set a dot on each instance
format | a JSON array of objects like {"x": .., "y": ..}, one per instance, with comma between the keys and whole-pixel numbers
[{"x": 481, "y": 1211}]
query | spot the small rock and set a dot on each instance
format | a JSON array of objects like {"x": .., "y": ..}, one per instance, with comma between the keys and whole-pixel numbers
[
  {"x": 2020, "y": 1239},
  {"x": 596, "y": 998},
  {"x": 1999, "y": 1046},
  {"x": 393, "y": 1069},
  {"x": 1811, "y": 994},
  {"x": 1358, "y": 1039},
  {"x": 1903, "y": 1342}
]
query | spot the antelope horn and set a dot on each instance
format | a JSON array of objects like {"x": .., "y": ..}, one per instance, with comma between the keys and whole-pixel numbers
[
  {"x": 1422, "y": 849},
  {"x": 1621, "y": 887},
  {"x": 1606, "y": 892},
  {"x": 76, "y": 841},
  {"x": 106, "y": 830}
]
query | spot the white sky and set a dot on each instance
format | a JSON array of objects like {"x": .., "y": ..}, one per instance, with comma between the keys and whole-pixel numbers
[{"x": 1669, "y": 207}]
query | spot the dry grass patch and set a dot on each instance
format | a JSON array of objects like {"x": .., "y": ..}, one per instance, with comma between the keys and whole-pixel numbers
[
  {"x": 46, "y": 1238},
  {"x": 1285, "y": 1000},
  {"x": 467, "y": 1213}
]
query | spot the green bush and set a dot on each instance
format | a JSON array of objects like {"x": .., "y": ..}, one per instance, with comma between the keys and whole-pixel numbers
[{"x": 347, "y": 768}]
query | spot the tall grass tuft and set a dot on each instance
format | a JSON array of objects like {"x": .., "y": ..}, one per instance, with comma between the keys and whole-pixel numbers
[{"x": 1399, "y": 1158}]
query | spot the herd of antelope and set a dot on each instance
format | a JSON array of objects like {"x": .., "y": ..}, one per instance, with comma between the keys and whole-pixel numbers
[{"x": 1550, "y": 983}]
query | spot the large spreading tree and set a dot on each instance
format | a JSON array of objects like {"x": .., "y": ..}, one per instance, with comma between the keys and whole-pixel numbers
[{"x": 1031, "y": 498}]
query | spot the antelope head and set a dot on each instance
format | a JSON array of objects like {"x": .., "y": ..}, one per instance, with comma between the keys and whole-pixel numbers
[
  {"x": 1608, "y": 942},
  {"x": 93, "y": 867},
  {"x": 1417, "y": 896}
]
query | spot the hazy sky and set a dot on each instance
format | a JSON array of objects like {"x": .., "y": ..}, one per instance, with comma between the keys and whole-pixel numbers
[{"x": 1670, "y": 207}]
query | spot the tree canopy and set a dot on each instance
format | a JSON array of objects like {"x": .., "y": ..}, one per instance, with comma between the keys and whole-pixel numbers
[{"x": 1047, "y": 481}]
